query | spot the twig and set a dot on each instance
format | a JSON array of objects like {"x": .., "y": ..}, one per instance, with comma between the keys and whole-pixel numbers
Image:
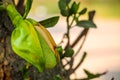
[
  {"x": 84, "y": 32},
  {"x": 68, "y": 62},
  {"x": 80, "y": 62},
  {"x": 68, "y": 33},
  {"x": 69, "y": 26},
  {"x": 20, "y": 3},
  {"x": 71, "y": 64},
  {"x": 85, "y": 35},
  {"x": 20, "y": 6},
  {"x": 62, "y": 40}
]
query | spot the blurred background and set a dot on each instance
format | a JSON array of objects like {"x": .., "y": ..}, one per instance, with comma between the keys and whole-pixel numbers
[{"x": 102, "y": 44}]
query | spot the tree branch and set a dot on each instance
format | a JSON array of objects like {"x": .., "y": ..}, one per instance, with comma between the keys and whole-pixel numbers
[
  {"x": 84, "y": 32},
  {"x": 81, "y": 44},
  {"x": 20, "y": 7},
  {"x": 80, "y": 62}
]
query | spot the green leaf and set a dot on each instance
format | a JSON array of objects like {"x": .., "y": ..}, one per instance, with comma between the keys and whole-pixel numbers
[
  {"x": 60, "y": 50},
  {"x": 83, "y": 11},
  {"x": 89, "y": 74},
  {"x": 69, "y": 52},
  {"x": 63, "y": 7},
  {"x": 86, "y": 24},
  {"x": 57, "y": 77},
  {"x": 50, "y": 22},
  {"x": 92, "y": 76},
  {"x": 83, "y": 57},
  {"x": 64, "y": 12},
  {"x": 62, "y": 4},
  {"x": 25, "y": 72},
  {"x": 74, "y": 8},
  {"x": 68, "y": 1},
  {"x": 27, "y": 8}
]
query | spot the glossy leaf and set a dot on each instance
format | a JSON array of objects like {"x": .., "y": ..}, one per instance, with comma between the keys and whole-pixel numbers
[
  {"x": 62, "y": 4},
  {"x": 27, "y": 8},
  {"x": 63, "y": 7},
  {"x": 74, "y": 8},
  {"x": 86, "y": 24},
  {"x": 83, "y": 11},
  {"x": 50, "y": 22}
]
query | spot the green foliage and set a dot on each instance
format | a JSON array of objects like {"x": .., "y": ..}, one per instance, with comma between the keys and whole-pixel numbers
[
  {"x": 57, "y": 77},
  {"x": 83, "y": 57},
  {"x": 86, "y": 24},
  {"x": 50, "y": 22},
  {"x": 92, "y": 75},
  {"x": 72, "y": 13},
  {"x": 33, "y": 42},
  {"x": 74, "y": 8},
  {"x": 25, "y": 72},
  {"x": 68, "y": 11},
  {"x": 27, "y": 8},
  {"x": 83, "y": 11},
  {"x": 60, "y": 50},
  {"x": 69, "y": 52},
  {"x": 63, "y": 6}
]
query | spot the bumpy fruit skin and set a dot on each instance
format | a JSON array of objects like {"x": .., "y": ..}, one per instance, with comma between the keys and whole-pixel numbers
[{"x": 32, "y": 41}]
